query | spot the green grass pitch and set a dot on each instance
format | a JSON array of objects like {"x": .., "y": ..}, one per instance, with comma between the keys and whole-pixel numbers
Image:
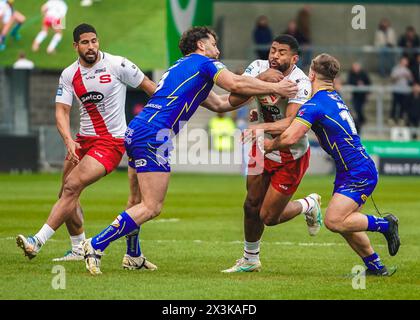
[
  {"x": 198, "y": 234},
  {"x": 134, "y": 29}
]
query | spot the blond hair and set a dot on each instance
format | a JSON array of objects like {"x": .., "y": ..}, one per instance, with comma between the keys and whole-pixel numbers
[{"x": 325, "y": 66}]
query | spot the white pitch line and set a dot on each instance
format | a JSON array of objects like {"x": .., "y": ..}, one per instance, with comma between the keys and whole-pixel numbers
[
  {"x": 164, "y": 220},
  {"x": 235, "y": 242}
]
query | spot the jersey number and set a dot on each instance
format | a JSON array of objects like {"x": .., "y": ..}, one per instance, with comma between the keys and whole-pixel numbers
[
  {"x": 162, "y": 81},
  {"x": 346, "y": 116},
  {"x": 165, "y": 75}
]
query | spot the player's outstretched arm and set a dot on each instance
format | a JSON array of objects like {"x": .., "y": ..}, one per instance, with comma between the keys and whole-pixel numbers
[
  {"x": 270, "y": 75},
  {"x": 148, "y": 86},
  {"x": 221, "y": 103},
  {"x": 289, "y": 137},
  {"x": 251, "y": 86},
  {"x": 62, "y": 116}
]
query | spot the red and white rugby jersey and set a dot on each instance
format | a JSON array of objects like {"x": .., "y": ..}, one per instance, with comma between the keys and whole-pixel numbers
[
  {"x": 273, "y": 107},
  {"x": 100, "y": 91},
  {"x": 55, "y": 9}
]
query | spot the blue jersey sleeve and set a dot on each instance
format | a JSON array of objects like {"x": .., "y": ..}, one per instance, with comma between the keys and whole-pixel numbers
[
  {"x": 309, "y": 113},
  {"x": 211, "y": 69}
]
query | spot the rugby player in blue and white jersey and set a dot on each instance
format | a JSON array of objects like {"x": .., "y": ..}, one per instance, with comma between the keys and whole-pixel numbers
[
  {"x": 182, "y": 89},
  {"x": 356, "y": 175}
]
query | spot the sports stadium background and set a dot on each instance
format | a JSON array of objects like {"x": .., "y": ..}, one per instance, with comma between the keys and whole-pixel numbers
[
  {"x": 147, "y": 32},
  {"x": 200, "y": 230}
]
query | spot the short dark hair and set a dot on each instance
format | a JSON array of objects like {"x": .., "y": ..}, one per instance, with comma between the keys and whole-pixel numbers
[
  {"x": 290, "y": 41},
  {"x": 82, "y": 28},
  {"x": 326, "y": 66},
  {"x": 189, "y": 39}
]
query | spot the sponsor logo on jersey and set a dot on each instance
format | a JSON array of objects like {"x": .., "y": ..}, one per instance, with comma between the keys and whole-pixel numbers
[
  {"x": 98, "y": 154},
  {"x": 100, "y": 70},
  {"x": 140, "y": 163},
  {"x": 249, "y": 69},
  {"x": 219, "y": 65},
  {"x": 154, "y": 106},
  {"x": 60, "y": 90},
  {"x": 92, "y": 97},
  {"x": 105, "y": 78},
  {"x": 271, "y": 109},
  {"x": 301, "y": 112},
  {"x": 364, "y": 197}
]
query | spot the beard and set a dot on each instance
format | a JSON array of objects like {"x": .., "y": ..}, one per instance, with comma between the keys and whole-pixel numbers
[
  {"x": 283, "y": 67},
  {"x": 91, "y": 59}
]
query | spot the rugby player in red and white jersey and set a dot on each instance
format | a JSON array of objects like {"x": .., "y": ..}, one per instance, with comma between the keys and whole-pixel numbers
[
  {"x": 269, "y": 193},
  {"x": 54, "y": 12},
  {"x": 98, "y": 80}
]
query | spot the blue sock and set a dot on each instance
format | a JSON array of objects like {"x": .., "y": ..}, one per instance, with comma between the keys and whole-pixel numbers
[
  {"x": 15, "y": 30},
  {"x": 121, "y": 226},
  {"x": 2, "y": 39},
  {"x": 133, "y": 243},
  {"x": 373, "y": 262},
  {"x": 377, "y": 224}
]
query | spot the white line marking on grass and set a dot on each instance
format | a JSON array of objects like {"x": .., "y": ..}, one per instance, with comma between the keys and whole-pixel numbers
[
  {"x": 197, "y": 241},
  {"x": 164, "y": 220}
]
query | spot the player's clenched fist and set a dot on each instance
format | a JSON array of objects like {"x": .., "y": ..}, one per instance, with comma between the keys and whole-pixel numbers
[
  {"x": 271, "y": 75},
  {"x": 286, "y": 88}
]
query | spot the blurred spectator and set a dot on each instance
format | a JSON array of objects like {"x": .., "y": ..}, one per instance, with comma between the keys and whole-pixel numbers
[
  {"x": 262, "y": 37},
  {"x": 385, "y": 41},
  {"x": 358, "y": 77},
  {"x": 8, "y": 17},
  {"x": 22, "y": 63},
  {"x": 414, "y": 118},
  {"x": 303, "y": 21},
  {"x": 54, "y": 12},
  {"x": 293, "y": 31},
  {"x": 401, "y": 78},
  {"x": 222, "y": 129},
  {"x": 415, "y": 69},
  {"x": 410, "y": 42}
]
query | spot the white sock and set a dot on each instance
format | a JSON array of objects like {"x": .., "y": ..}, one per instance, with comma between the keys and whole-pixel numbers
[
  {"x": 41, "y": 37},
  {"x": 76, "y": 240},
  {"x": 252, "y": 251},
  {"x": 44, "y": 234},
  {"x": 307, "y": 204},
  {"x": 54, "y": 42}
]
